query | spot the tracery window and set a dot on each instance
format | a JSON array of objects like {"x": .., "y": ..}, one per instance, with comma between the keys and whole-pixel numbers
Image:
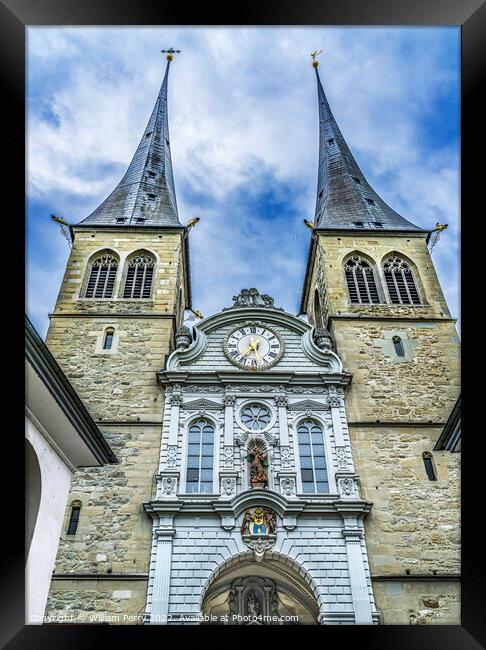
[
  {"x": 313, "y": 469},
  {"x": 255, "y": 417},
  {"x": 361, "y": 281},
  {"x": 199, "y": 473},
  {"x": 400, "y": 282},
  {"x": 140, "y": 274},
  {"x": 102, "y": 277}
]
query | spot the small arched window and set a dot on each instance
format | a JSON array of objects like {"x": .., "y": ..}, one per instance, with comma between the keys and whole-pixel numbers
[
  {"x": 313, "y": 470},
  {"x": 140, "y": 274},
  {"x": 400, "y": 282},
  {"x": 74, "y": 518},
  {"x": 317, "y": 309},
  {"x": 361, "y": 281},
  {"x": 108, "y": 338},
  {"x": 102, "y": 277},
  {"x": 398, "y": 345},
  {"x": 429, "y": 466},
  {"x": 199, "y": 475}
]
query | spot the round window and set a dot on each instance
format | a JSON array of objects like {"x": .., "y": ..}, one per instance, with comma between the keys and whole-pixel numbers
[{"x": 255, "y": 417}]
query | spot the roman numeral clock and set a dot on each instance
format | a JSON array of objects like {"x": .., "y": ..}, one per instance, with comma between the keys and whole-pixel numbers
[{"x": 253, "y": 347}]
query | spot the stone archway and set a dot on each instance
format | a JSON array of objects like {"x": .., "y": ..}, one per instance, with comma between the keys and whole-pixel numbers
[{"x": 265, "y": 592}]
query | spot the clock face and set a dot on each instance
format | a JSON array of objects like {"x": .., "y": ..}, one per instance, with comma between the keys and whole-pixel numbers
[{"x": 253, "y": 347}]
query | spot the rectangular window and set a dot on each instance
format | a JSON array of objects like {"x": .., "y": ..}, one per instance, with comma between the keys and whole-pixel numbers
[{"x": 73, "y": 520}]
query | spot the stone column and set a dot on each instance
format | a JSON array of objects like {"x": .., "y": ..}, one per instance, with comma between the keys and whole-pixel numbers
[
  {"x": 335, "y": 404},
  {"x": 175, "y": 402},
  {"x": 283, "y": 426},
  {"x": 357, "y": 576},
  {"x": 229, "y": 402},
  {"x": 163, "y": 556}
]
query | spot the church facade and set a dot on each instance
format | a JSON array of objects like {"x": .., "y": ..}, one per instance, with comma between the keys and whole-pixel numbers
[{"x": 272, "y": 468}]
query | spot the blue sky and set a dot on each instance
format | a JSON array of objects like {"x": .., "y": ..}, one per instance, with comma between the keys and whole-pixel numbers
[{"x": 244, "y": 136}]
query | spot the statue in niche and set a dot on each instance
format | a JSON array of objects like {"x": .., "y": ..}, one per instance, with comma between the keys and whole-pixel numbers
[
  {"x": 257, "y": 457},
  {"x": 253, "y": 604}
]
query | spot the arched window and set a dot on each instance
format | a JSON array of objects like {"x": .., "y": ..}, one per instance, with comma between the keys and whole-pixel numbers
[
  {"x": 361, "y": 281},
  {"x": 312, "y": 457},
  {"x": 140, "y": 273},
  {"x": 199, "y": 476},
  {"x": 398, "y": 345},
  {"x": 102, "y": 277},
  {"x": 400, "y": 282},
  {"x": 317, "y": 309},
  {"x": 429, "y": 466},
  {"x": 74, "y": 518},
  {"x": 108, "y": 339}
]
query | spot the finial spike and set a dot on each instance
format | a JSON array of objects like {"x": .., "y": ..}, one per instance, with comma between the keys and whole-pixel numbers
[
  {"x": 170, "y": 52},
  {"x": 314, "y": 56}
]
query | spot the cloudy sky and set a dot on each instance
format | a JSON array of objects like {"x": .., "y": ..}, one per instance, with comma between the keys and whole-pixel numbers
[{"x": 244, "y": 136}]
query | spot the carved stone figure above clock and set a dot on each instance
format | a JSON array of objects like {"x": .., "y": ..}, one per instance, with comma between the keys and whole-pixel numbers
[{"x": 253, "y": 346}]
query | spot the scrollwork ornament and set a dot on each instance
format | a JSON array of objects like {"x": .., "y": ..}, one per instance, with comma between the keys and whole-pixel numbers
[
  {"x": 171, "y": 456},
  {"x": 287, "y": 487},
  {"x": 228, "y": 485}
]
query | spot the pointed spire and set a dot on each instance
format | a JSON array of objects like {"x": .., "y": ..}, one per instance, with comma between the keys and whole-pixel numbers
[
  {"x": 345, "y": 199},
  {"x": 145, "y": 196}
]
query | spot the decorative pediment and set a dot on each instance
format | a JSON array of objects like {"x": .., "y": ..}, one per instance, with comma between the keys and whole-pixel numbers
[
  {"x": 308, "y": 405},
  {"x": 202, "y": 405}
]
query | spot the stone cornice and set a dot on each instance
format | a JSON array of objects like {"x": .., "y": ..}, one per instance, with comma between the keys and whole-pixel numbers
[
  {"x": 329, "y": 504},
  {"x": 274, "y": 379}
]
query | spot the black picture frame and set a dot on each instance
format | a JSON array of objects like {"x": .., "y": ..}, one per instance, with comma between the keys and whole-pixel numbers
[{"x": 15, "y": 16}]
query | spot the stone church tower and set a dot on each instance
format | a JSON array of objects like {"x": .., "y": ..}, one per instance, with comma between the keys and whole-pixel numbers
[
  {"x": 371, "y": 282},
  {"x": 268, "y": 464},
  {"x": 122, "y": 298}
]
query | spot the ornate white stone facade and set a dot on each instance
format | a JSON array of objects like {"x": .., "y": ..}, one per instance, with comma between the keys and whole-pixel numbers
[{"x": 318, "y": 542}]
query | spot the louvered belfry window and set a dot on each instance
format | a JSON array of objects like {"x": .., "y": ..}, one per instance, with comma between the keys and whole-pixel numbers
[
  {"x": 400, "y": 282},
  {"x": 140, "y": 273},
  {"x": 361, "y": 281},
  {"x": 102, "y": 277}
]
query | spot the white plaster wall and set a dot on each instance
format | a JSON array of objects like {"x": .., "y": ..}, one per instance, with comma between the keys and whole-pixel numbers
[{"x": 55, "y": 482}]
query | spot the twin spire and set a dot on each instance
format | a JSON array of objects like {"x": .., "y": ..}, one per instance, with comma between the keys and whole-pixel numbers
[
  {"x": 146, "y": 194},
  {"x": 345, "y": 199}
]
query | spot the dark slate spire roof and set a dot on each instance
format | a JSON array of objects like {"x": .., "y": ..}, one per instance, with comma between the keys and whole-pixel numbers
[
  {"x": 344, "y": 196},
  {"x": 146, "y": 192}
]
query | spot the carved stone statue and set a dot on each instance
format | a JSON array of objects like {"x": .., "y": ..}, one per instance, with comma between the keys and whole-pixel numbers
[
  {"x": 253, "y": 298},
  {"x": 232, "y": 602},
  {"x": 257, "y": 457},
  {"x": 253, "y": 605},
  {"x": 246, "y": 523},
  {"x": 271, "y": 519},
  {"x": 183, "y": 337}
]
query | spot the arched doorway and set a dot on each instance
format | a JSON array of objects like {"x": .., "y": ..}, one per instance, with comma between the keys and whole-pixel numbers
[{"x": 267, "y": 592}]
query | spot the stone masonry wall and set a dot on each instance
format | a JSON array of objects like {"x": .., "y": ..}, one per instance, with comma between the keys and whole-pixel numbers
[
  {"x": 414, "y": 524},
  {"x": 117, "y": 386}
]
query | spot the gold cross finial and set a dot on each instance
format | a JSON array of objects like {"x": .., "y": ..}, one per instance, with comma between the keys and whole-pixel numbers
[
  {"x": 314, "y": 56},
  {"x": 170, "y": 52}
]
